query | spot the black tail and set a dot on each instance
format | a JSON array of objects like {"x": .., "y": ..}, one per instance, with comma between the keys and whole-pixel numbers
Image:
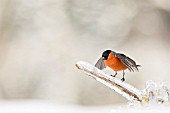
[{"x": 138, "y": 65}]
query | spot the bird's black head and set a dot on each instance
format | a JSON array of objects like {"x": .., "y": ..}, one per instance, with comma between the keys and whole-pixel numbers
[{"x": 106, "y": 54}]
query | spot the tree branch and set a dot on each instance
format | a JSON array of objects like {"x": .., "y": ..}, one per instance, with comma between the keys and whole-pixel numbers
[{"x": 123, "y": 88}]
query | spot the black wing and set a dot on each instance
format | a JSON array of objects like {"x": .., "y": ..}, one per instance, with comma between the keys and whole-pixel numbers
[
  {"x": 100, "y": 64},
  {"x": 128, "y": 62}
]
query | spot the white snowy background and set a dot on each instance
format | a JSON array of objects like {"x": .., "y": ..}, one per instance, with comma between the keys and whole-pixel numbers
[{"x": 41, "y": 40}]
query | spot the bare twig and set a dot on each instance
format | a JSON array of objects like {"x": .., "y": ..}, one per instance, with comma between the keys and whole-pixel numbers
[{"x": 123, "y": 88}]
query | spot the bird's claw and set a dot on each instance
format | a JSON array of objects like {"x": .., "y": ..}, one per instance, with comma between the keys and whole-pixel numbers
[
  {"x": 123, "y": 79},
  {"x": 112, "y": 75}
]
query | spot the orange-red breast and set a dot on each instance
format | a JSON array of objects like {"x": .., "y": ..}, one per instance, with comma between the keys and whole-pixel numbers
[{"x": 117, "y": 62}]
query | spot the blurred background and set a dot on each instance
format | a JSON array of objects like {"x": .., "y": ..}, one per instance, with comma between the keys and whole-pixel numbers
[{"x": 41, "y": 40}]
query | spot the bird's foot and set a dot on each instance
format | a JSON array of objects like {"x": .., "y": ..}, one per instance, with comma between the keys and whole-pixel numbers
[
  {"x": 123, "y": 79},
  {"x": 113, "y": 75}
]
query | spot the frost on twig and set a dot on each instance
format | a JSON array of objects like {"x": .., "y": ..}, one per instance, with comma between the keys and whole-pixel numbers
[
  {"x": 123, "y": 88},
  {"x": 152, "y": 93},
  {"x": 156, "y": 92}
]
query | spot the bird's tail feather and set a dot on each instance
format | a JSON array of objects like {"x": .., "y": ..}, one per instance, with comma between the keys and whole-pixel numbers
[{"x": 138, "y": 65}]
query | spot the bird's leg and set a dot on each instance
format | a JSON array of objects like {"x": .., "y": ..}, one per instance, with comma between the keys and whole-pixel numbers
[
  {"x": 123, "y": 79},
  {"x": 114, "y": 75}
]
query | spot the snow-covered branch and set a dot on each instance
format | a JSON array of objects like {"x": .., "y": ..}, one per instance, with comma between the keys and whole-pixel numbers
[
  {"x": 123, "y": 88},
  {"x": 152, "y": 93}
]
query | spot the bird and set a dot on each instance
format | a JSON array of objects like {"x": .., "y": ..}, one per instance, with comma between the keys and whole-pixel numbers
[{"x": 117, "y": 62}]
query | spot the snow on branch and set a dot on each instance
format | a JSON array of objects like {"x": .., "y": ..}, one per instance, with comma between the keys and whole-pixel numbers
[
  {"x": 123, "y": 88},
  {"x": 152, "y": 93}
]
